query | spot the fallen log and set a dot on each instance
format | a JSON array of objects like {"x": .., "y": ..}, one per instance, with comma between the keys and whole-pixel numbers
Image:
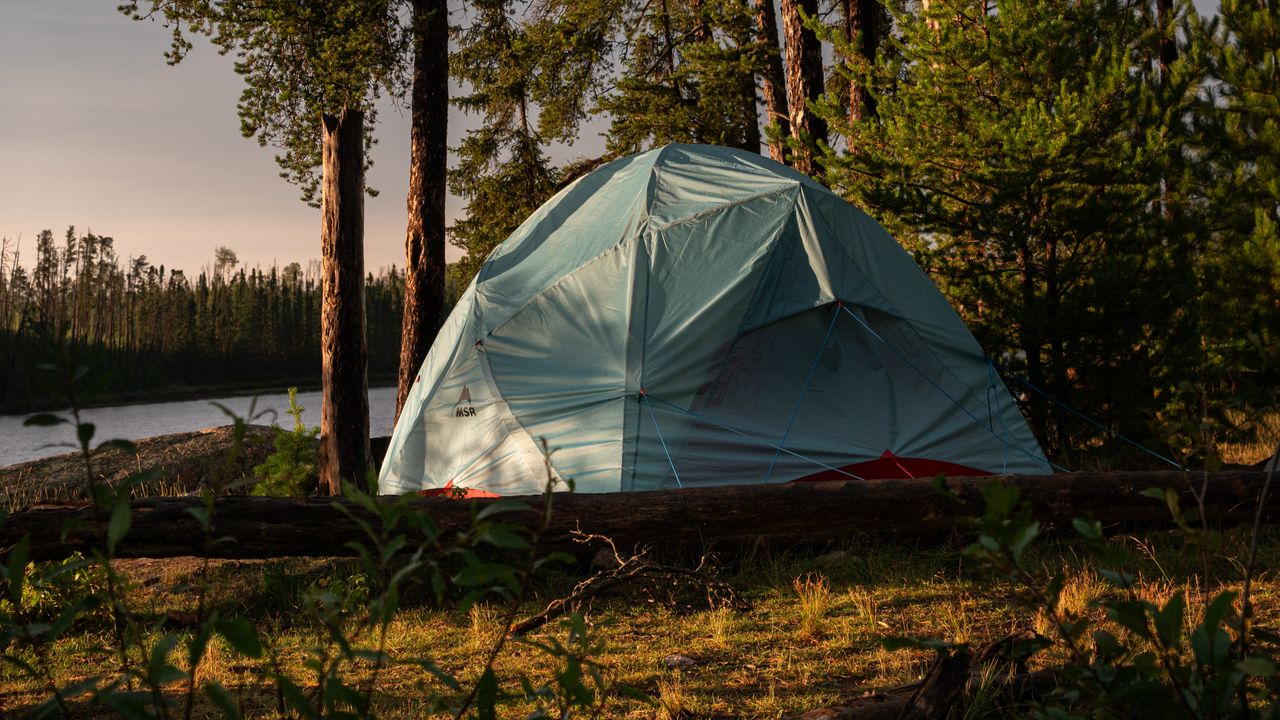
[{"x": 318, "y": 527}]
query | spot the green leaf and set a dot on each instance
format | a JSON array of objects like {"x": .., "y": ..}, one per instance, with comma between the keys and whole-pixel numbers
[
  {"x": 1155, "y": 493},
  {"x": 499, "y": 507},
  {"x": 295, "y": 698},
  {"x": 445, "y": 678},
  {"x": 487, "y": 695},
  {"x": 43, "y": 420},
  {"x": 1000, "y": 500},
  {"x": 1210, "y": 646},
  {"x": 1118, "y": 578},
  {"x": 201, "y": 515},
  {"x": 939, "y": 486},
  {"x": 159, "y": 671},
  {"x": 1088, "y": 529},
  {"x": 84, "y": 433},
  {"x": 16, "y": 568},
  {"x": 241, "y": 635},
  {"x": 900, "y": 642},
  {"x": 199, "y": 643},
  {"x": 1218, "y": 609},
  {"x": 118, "y": 526},
  {"x": 130, "y": 705},
  {"x": 1168, "y": 622},
  {"x": 1132, "y": 615},
  {"x": 1258, "y": 666},
  {"x": 222, "y": 700},
  {"x": 634, "y": 694},
  {"x": 502, "y": 536},
  {"x": 1025, "y": 535},
  {"x": 481, "y": 574}
]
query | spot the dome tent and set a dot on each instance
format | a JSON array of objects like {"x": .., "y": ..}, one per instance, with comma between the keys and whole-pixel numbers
[{"x": 699, "y": 315}]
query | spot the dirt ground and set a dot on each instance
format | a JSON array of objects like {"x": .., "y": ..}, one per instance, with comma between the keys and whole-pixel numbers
[{"x": 179, "y": 463}]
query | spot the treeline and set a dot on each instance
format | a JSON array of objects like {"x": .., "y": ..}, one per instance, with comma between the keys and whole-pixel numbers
[
  {"x": 150, "y": 330},
  {"x": 1094, "y": 184}
]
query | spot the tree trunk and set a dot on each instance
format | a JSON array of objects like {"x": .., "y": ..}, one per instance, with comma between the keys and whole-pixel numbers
[
  {"x": 804, "y": 80},
  {"x": 428, "y": 155},
  {"x": 862, "y": 20},
  {"x": 692, "y": 517},
  {"x": 774, "y": 82},
  {"x": 344, "y": 420},
  {"x": 1168, "y": 46}
]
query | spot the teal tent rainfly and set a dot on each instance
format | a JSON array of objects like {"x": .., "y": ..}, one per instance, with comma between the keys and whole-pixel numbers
[{"x": 695, "y": 316}]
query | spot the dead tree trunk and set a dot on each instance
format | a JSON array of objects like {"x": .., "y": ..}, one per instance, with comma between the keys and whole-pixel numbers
[
  {"x": 344, "y": 420},
  {"x": 804, "y": 80},
  {"x": 424, "y": 243},
  {"x": 773, "y": 81},
  {"x": 282, "y": 527}
]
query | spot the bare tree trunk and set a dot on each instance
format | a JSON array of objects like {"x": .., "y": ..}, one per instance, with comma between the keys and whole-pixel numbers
[
  {"x": 424, "y": 243},
  {"x": 774, "y": 83},
  {"x": 862, "y": 20},
  {"x": 804, "y": 79},
  {"x": 344, "y": 421}
]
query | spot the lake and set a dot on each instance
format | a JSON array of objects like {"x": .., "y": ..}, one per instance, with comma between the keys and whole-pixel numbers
[{"x": 134, "y": 422}]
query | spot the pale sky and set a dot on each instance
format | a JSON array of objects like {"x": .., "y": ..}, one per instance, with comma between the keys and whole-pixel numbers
[{"x": 98, "y": 132}]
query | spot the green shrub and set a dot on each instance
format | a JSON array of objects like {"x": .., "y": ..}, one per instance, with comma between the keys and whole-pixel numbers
[{"x": 291, "y": 469}]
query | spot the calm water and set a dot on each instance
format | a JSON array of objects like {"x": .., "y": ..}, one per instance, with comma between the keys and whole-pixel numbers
[{"x": 133, "y": 422}]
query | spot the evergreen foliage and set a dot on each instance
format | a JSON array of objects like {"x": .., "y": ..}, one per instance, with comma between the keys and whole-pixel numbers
[
  {"x": 501, "y": 171},
  {"x": 151, "y": 329},
  {"x": 291, "y": 469},
  {"x": 1021, "y": 153}
]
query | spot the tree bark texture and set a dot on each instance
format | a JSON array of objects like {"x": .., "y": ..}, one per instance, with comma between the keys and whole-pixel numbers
[
  {"x": 282, "y": 527},
  {"x": 862, "y": 20},
  {"x": 1168, "y": 45},
  {"x": 773, "y": 81},
  {"x": 424, "y": 264},
  {"x": 804, "y": 80},
  {"x": 344, "y": 419}
]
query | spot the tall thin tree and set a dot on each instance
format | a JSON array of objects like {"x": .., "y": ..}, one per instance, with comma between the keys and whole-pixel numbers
[{"x": 424, "y": 242}]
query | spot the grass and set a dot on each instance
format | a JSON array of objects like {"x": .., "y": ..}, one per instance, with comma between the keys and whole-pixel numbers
[{"x": 812, "y": 637}]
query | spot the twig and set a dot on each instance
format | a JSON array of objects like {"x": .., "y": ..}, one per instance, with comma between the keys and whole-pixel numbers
[{"x": 624, "y": 571}]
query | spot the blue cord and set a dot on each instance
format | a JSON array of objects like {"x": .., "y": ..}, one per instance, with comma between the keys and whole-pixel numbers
[
  {"x": 654, "y": 418},
  {"x": 994, "y": 393},
  {"x": 702, "y": 418},
  {"x": 1082, "y": 416},
  {"x": 945, "y": 394},
  {"x": 805, "y": 388}
]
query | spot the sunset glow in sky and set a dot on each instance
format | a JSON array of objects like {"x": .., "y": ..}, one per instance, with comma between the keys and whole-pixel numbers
[{"x": 98, "y": 132}]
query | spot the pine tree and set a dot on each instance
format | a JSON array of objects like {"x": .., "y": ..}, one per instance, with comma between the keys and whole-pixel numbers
[
  {"x": 1019, "y": 152},
  {"x": 502, "y": 171},
  {"x": 1240, "y": 259}
]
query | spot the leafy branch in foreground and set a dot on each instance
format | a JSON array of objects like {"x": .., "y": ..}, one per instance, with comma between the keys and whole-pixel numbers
[
  {"x": 147, "y": 671},
  {"x": 1148, "y": 659}
]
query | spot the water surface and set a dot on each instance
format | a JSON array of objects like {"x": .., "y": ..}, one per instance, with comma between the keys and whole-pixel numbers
[{"x": 134, "y": 422}]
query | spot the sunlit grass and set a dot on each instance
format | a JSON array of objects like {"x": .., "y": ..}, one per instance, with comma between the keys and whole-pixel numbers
[{"x": 812, "y": 637}]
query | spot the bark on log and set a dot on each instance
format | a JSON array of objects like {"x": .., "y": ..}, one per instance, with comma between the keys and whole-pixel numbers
[
  {"x": 344, "y": 415},
  {"x": 693, "y": 517}
]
